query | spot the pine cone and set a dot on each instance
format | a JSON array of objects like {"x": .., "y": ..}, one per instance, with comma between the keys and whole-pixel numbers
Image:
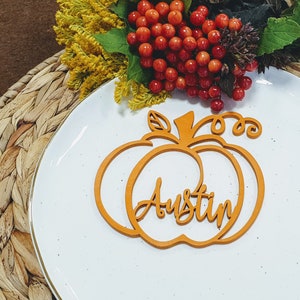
[{"x": 241, "y": 46}]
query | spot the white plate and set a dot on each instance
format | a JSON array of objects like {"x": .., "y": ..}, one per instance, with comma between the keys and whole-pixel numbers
[{"x": 83, "y": 257}]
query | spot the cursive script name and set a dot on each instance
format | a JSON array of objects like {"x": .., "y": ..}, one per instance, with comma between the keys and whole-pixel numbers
[{"x": 183, "y": 208}]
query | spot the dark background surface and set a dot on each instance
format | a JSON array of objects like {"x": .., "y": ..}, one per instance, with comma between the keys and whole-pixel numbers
[{"x": 26, "y": 37}]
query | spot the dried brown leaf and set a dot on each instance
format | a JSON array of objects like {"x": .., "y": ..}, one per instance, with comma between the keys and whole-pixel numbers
[
  {"x": 39, "y": 81},
  {"x": 6, "y": 186},
  {"x": 20, "y": 218},
  {"x": 8, "y": 161},
  {"x": 6, "y": 226},
  {"x": 8, "y": 131},
  {"x": 2, "y": 297},
  {"x": 23, "y": 245},
  {"x": 38, "y": 290},
  {"x": 22, "y": 129},
  {"x": 13, "y": 268}
]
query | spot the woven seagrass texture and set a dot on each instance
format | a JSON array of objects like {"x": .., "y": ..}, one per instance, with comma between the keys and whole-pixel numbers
[{"x": 30, "y": 112}]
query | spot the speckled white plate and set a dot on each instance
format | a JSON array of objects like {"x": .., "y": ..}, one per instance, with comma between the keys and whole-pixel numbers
[{"x": 83, "y": 257}]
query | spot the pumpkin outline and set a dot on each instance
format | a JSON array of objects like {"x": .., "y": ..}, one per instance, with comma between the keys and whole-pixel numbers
[{"x": 190, "y": 139}]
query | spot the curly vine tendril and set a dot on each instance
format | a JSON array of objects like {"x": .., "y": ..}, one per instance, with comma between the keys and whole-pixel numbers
[{"x": 251, "y": 126}]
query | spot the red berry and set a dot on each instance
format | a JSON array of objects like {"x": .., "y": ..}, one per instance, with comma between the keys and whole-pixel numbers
[
  {"x": 222, "y": 20},
  {"x": 203, "y": 9},
  {"x": 214, "y": 36},
  {"x": 202, "y": 71},
  {"x": 133, "y": 16},
  {"x": 197, "y": 33},
  {"x": 235, "y": 24},
  {"x": 155, "y": 86},
  {"x": 145, "y": 50},
  {"x": 217, "y": 105},
  {"x": 159, "y": 76},
  {"x": 172, "y": 57},
  {"x": 183, "y": 23},
  {"x": 131, "y": 38},
  {"x": 252, "y": 66},
  {"x": 184, "y": 55},
  {"x": 205, "y": 83},
  {"x": 218, "y": 51},
  {"x": 180, "y": 83},
  {"x": 180, "y": 67},
  {"x": 152, "y": 16},
  {"x": 214, "y": 91},
  {"x": 208, "y": 26},
  {"x": 156, "y": 29},
  {"x": 191, "y": 79},
  {"x": 202, "y": 58},
  {"x": 175, "y": 17},
  {"x": 171, "y": 74},
  {"x": 143, "y": 6},
  {"x": 203, "y": 94},
  {"x": 197, "y": 18},
  {"x": 175, "y": 43},
  {"x": 215, "y": 65},
  {"x": 160, "y": 43},
  {"x": 192, "y": 91},
  {"x": 162, "y": 8},
  {"x": 169, "y": 86},
  {"x": 185, "y": 31},
  {"x": 146, "y": 62},
  {"x": 189, "y": 43},
  {"x": 191, "y": 66},
  {"x": 238, "y": 94},
  {"x": 168, "y": 30},
  {"x": 143, "y": 34},
  {"x": 203, "y": 44},
  {"x": 159, "y": 65},
  {"x": 245, "y": 82},
  {"x": 141, "y": 22},
  {"x": 177, "y": 5},
  {"x": 237, "y": 71}
]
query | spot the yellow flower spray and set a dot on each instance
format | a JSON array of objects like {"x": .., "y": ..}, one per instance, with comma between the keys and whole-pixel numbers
[{"x": 89, "y": 64}]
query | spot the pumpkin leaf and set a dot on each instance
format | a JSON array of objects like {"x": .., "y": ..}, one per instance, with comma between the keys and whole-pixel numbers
[
  {"x": 279, "y": 33},
  {"x": 158, "y": 122},
  {"x": 114, "y": 41}
]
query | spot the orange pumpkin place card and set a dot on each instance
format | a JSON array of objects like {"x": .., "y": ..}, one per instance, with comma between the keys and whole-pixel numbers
[{"x": 195, "y": 211}]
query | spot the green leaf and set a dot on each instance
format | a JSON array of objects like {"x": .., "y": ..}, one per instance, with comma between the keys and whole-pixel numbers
[
  {"x": 135, "y": 71},
  {"x": 187, "y": 5},
  {"x": 278, "y": 34},
  {"x": 296, "y": 12},
  {"x": 281, "y": 32},
  {"x": 120, "y": 8},
  {"x": 256, "y": 15},
  {"x": 114, "y": 41},
  {"x": 227, "y": 84}
]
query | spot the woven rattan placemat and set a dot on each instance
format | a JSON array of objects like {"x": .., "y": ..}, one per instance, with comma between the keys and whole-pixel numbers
[{"x": 30, "y": 113}]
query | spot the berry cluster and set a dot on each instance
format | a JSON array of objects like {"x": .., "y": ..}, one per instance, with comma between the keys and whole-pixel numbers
[{"x": 186, "y": 53}]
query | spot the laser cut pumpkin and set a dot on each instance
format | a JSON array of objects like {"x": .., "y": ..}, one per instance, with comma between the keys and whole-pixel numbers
[{"x": 187, "y": 206}]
